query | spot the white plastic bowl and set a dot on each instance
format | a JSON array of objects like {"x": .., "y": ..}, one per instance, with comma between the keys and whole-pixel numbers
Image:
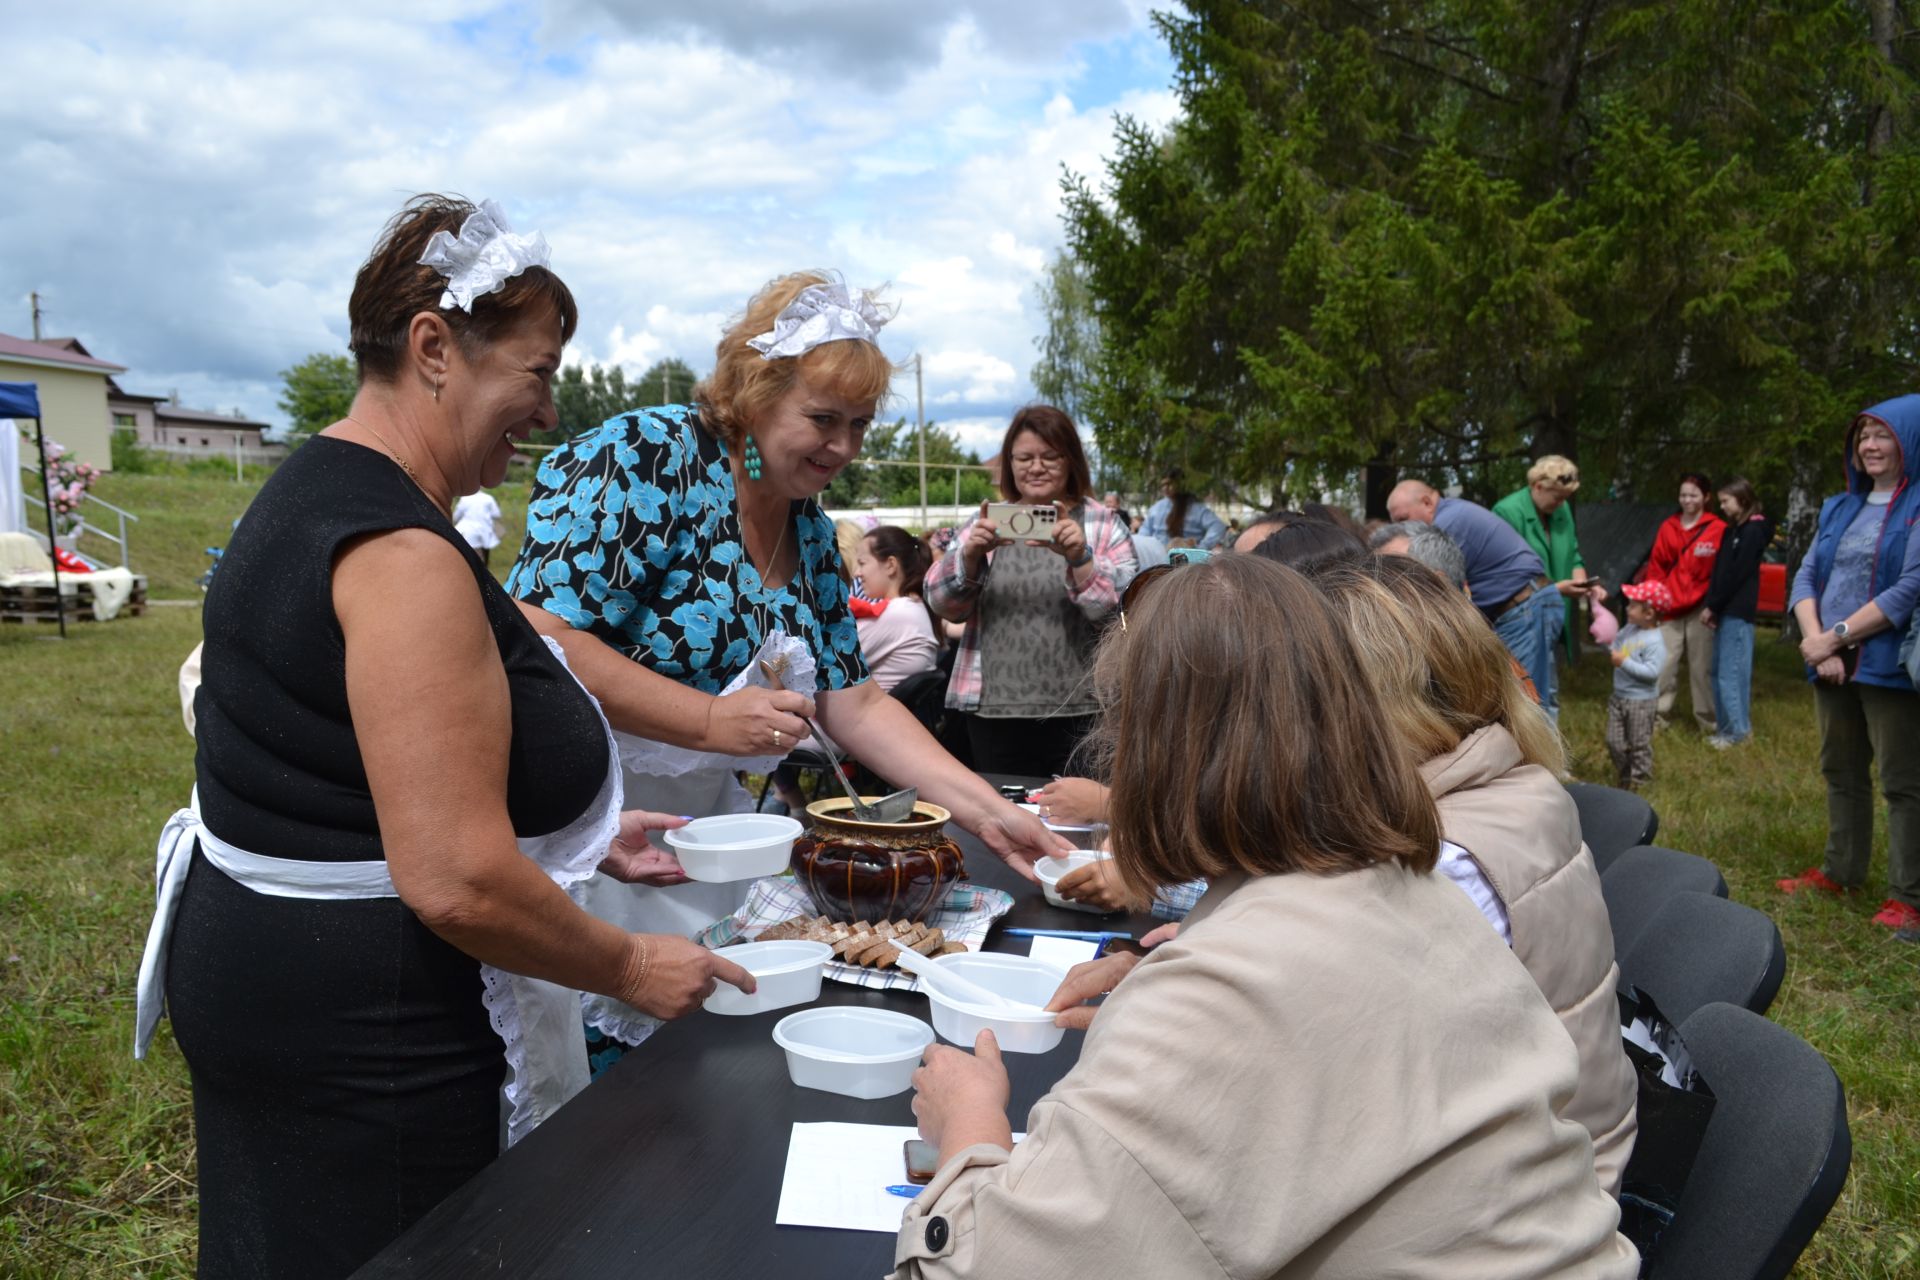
[
  {"x": 1072, "y": 830},
  {"x": 1052, "y": 870},
  {"x": 788, "y": 973},
  {"x": 1015, "y": 977},
  {"x": 735, "y": 846},
  {"x": 862, "y": 1053}
]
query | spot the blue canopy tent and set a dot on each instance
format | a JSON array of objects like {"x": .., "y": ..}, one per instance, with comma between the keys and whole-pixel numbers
[{"x": 22, "y": 400}]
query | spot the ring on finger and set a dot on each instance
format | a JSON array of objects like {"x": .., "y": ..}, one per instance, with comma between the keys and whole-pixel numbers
[{"x": 776, "y": 738}]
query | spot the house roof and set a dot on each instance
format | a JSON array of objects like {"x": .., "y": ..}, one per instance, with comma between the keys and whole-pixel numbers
[
  {"x": 165, "y": 412},
  {"x": 56, "y": 351}
]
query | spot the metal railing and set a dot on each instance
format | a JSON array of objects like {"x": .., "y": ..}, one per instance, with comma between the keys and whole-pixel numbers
[{"x": 119, "y": 514}]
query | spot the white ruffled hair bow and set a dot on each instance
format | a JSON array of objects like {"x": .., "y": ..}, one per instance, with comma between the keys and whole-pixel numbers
[
  {"x": 484, "y": 256},
  {"x": 822, "y": 313}
]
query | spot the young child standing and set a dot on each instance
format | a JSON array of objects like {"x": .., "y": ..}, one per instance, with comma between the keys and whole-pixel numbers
[{"x": 1638, "y": 654}]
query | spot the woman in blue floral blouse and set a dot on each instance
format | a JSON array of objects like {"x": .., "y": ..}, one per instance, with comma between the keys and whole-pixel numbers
[{"x": 672, "y": 548}]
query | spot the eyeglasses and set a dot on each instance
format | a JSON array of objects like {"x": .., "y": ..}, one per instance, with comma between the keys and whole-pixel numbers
[{"x": 1137, "y": 589}]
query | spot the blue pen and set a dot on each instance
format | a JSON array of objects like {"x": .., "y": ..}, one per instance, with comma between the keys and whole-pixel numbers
[
  {"x": 903, "y": 1191},
  {"x": 1085, "y": 935}
]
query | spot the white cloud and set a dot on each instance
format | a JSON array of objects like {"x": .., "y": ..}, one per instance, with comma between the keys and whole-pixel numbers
[{"x": 191, "y": 187}]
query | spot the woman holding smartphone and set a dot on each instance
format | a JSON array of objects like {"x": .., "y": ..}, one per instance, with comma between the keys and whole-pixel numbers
[{"x": 1032, "y": 607}]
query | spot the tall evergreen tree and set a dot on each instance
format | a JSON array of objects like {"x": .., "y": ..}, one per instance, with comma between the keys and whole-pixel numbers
[{"x": 1444, "y": 234}]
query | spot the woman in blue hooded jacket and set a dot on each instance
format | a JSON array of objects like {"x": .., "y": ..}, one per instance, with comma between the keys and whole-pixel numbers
[{"x": 1854, "y": 600}]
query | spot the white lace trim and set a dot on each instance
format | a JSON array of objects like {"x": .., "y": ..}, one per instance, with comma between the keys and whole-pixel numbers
[
  {"x": 617, "y": 1021},
  {"x": 822, "y": 313},
  {"x": 644, "y": 755},
  {"x": 483, "y": 257},
  {"x": 569, "y": 856}
]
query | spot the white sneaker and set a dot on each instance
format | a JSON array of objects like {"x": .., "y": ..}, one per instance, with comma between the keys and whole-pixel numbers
[{"x": 1719, "y": 743}]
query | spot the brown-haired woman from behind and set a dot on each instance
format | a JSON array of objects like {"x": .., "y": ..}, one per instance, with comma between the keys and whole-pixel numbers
[
  {"x": 1492, "y": 759},
  {"x": 1301, "y": 1042}
]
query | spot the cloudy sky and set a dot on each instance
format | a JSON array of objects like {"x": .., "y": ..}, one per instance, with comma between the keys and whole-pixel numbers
[{"x": 191, "y": 186}]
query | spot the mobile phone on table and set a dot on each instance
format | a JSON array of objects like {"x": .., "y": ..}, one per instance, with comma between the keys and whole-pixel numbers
[
  {"x": 1026, "y": 521},
  {"x": 923, "y": 1161}
]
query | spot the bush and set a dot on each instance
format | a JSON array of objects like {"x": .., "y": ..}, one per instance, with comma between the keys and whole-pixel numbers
[{"x": 129, "y": 458}]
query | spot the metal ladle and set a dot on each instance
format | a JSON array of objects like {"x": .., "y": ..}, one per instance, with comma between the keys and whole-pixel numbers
[{"x": 897, "y": 807}]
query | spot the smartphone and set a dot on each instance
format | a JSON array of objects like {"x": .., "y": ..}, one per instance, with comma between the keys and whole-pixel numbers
[
  {"x": 923, "y": 1161},
  {"x": 1114, "y": 946},
  {"x": 1188, "y": 555},
  {"x": 1022, "y": 521}
]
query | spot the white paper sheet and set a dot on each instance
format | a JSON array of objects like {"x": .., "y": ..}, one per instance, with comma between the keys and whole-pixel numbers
[
  {"x": 838, "y": 1174},
  {"x": 1065, "y": 952}
]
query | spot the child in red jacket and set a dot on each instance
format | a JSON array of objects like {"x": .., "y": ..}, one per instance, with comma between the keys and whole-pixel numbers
[{"x": 1683, "y": 554}]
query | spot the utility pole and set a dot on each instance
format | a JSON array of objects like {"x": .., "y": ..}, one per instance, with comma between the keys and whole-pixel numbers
[
  {"x": 35, "y": 298},
  {"x": 920, "y": 413}
]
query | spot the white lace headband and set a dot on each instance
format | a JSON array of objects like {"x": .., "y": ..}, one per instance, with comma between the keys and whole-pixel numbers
[
  {"x": 822, "y": 313},
  {"x": 483, "y": 257}
]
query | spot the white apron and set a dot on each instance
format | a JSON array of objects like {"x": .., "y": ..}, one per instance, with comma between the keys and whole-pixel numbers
[
  {"x": 538, "y": 1022},
  {"x": 695, "y": 784}
]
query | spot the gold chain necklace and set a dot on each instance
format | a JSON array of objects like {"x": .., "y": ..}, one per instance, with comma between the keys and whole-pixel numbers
[
  {"x": 773, "y": 564},
  {"x": 389, "y": 448}
]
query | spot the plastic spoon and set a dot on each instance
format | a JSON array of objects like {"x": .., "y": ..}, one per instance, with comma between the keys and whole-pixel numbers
[{"x": 952, "y": 985}]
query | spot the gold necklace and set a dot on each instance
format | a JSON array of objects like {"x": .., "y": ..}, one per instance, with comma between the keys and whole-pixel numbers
[{"x": 389, "y": 448}]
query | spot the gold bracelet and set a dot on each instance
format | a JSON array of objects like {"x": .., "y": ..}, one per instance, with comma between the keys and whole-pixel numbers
[{"x": 632, "y": 993}]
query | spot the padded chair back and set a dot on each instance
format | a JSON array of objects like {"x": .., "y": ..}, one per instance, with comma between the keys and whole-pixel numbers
[
  {"x": 1639, "y": 881},
  {"x": 1612, "y": 820},
  {"x": 925, "y": 694},
  {"x": 1774, "y": 1157},
  {"x": 1700, "y": 950}
]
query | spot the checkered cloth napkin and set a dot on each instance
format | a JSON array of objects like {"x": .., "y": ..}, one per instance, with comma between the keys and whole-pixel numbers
[{"x": 965, "y": 917}]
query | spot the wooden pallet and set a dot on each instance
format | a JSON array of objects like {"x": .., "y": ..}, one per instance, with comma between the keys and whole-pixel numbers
[{"x": 37, "y": 604}]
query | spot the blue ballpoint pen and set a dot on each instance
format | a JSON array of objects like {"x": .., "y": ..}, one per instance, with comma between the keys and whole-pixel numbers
[
  {"x": 1086, "y": 935},
  {"x": 904, "y": 1191}
]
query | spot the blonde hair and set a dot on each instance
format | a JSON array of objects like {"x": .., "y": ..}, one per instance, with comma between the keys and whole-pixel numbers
[
  {"x": 744, "y": 384},
  {"x": 1279, "y": 759},
  {"x": 847, "y": 537},
  {"x": 1441, "y": 671},
  {"x": 1555, "y": 472}
]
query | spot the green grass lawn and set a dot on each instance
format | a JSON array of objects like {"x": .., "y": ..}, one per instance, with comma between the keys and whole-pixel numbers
[{"x": 96, "y": 1152}]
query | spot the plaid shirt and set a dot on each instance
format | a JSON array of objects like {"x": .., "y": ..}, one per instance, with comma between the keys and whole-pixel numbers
[{"x": 956, "y": 599}]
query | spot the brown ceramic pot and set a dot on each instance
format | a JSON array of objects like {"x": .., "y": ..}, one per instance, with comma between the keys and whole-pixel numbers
[{"x": 876, "y": 870}]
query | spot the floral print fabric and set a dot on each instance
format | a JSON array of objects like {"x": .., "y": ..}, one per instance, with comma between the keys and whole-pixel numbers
[{"x": 633, "y": 534}]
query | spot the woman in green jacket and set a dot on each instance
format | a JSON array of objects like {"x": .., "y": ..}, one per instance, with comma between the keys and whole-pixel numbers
[{"x": 1539, "y": 513}]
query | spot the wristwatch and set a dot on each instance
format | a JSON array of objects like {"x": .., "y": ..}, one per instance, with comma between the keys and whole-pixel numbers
[
  {"x": 1841, "y": 632},
  {"x": 1085, "y": 558}
]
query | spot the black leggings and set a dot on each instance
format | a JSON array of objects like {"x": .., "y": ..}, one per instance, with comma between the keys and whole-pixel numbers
[
  {"x": 345, "y": 1077},
  {"x": 1032, "y": 748}
]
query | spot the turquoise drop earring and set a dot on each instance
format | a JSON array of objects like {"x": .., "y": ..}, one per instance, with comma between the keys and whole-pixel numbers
[{"x": 752, "y": 459}]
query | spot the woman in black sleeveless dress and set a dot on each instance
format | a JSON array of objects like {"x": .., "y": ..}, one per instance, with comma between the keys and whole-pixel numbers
[{"x": 376, "y": 712}]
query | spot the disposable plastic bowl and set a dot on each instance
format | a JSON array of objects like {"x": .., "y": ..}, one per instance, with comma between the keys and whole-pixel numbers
[
  {"x": 787, "y": 973},
  {"x": 862, "y": 1053},
  {"x": 1015, "y": 977},
  {"x": 1053, "y": 869},
  {"x": 735, "y": 846},
  {"x": 1071, "y": 830}
]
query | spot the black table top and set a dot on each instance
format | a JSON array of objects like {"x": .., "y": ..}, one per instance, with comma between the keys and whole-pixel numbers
[{"x": 671, "y": 1163}]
